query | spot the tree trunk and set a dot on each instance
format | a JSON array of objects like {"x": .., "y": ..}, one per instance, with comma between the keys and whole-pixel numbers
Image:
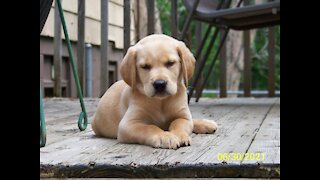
[
  {"x": 141, "y": 19},
  {"x": 235, "y": 56}
]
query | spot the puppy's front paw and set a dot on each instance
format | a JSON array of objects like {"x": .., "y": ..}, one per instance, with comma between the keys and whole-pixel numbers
[
  {"x": 185, "y": 139},
  {"x": 166, "y": 140},
  {"x": 204, "y": 126}
]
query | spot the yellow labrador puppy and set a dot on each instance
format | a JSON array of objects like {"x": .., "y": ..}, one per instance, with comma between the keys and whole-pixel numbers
[{"x": 149, "y": 106}]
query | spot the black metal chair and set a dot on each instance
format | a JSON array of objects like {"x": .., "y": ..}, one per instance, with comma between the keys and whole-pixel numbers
[{"x": 218, "y": 13}]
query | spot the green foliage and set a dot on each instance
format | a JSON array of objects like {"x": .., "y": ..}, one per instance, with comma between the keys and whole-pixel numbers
[
  {"x": 164, "y": 7},
  {"x": 259, "y": 48},
  {"x": 259, "y": 54},
  {"x": 211, "y": 95}
]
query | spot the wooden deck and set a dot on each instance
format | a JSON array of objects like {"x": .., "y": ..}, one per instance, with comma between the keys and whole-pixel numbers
[{"x": 247, "y": 125}]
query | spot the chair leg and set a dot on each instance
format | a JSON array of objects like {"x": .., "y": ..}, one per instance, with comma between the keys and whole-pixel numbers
[
  {"x": 201, "y": 63},
  {"x": 198, "y": 52},
  {"x": 212, "y": 64},
  {"x": 188, "y": 20},
  {"x": 83, "y": 115},
  {"x": 197, "y": 56},
  {"x": 42, "y": 123}
]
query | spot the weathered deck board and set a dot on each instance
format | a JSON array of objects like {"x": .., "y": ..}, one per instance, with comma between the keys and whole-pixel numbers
[
  {"x": 58, "y": 108},
  {"x": 267, "y": 140},
  {"x": 245, "y": 125},
  {"x": 61, "y": 117},
  {"x": 233, "y": 136}
]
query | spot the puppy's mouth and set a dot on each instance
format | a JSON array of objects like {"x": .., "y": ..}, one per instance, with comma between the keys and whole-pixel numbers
[{"x": 161, "y": 94}]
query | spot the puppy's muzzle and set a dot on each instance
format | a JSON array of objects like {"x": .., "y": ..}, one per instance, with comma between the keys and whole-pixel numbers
[{"x": 159, "y": 86}]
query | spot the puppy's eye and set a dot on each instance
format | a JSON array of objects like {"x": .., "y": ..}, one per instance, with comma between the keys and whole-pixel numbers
[
  {"x": 170, "y": 63},
  {"x": 145, "y": 66}
]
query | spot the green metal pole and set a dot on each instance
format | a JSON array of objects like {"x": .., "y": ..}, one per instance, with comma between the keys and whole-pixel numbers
[
  {"x": 42, "y": 123},
  {"x": 83, "y": 114}
]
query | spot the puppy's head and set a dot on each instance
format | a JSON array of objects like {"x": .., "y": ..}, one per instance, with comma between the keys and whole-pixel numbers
[{"x": 156, "y": 65}]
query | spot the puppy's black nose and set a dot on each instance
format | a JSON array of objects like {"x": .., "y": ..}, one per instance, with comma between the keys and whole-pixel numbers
[{"x": 160, "y": 85}]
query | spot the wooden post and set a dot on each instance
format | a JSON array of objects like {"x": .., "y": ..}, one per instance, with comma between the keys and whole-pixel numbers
[
  {"x": 247, "y": 65},
  {"x": 189, "y": 38},
  {"x": 271, "y": 72},
  {"x": 126, "y": 26},
  {"x": 150, "y": 10},
  {"x": 174, "y": 19},
  {"x": 80, "y": 43},
  {"x": 138, "y": 20},
  {"x": 198, "y": 43},
  {"x": 57, "y": 41},
  {"x": 223, "y": 71},
  {"x": 104, "y": 48}
]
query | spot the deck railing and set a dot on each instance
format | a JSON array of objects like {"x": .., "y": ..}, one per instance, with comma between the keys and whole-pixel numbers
[
  {"x": 175, "y": 32},
  {"x": 247, "y": 88}
]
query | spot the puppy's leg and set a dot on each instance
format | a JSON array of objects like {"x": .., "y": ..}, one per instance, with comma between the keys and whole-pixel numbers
[
  {"x": 182, "y": 128},
  {"x": 204, "y": 126},
  {"x": 152, "y": 135}
]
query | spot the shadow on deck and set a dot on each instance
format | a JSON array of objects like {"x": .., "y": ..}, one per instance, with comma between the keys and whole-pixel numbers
[{"x": 247, "y": 125}]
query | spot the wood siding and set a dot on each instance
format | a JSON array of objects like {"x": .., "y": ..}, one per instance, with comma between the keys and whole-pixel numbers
[{"x": 92, "y": 21}]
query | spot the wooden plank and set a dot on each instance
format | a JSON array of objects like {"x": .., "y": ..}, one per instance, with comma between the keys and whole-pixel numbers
[
  {"x": 57, "y": 41},
  {"x": 126, "y": 26},
  {"x": 67, "y": 128},
  {"x": 84, "y": 155},
  {"x": 150, "y": 13},
  {"x": 247, "y": 65},
  {"x": 61, "y": 120},
  {"x": 93, "y": 24},
  {"x": 62, "y": 151},
  {"x": 198, "y": 44},
  {"x": 223, "y": 71},
  {"x": 174, "y": 19},
  {"x": 104, "y": 75},
  {"x": 271, "y": 62},
  {"x": 80, "y": 43},
  {"x": 57, "y": 108},
  {"x": 137, "y": 27},
  {"x": 212, "y": 108},
  {"x": 239, "y": 137},
  {"x": 141, "y": 154},
  {"x": 64, "y": 130},
  {"x": 134, "y": 171},
  {"x": 129, "y": 154},
  {"x": 234, "y": 135},
  {"x": 267, "y": 140}
]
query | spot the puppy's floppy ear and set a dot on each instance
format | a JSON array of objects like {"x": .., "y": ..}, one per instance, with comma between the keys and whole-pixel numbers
[
  {"x": 187, "y": 62},
  {"x": 128, "y": 67}
]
